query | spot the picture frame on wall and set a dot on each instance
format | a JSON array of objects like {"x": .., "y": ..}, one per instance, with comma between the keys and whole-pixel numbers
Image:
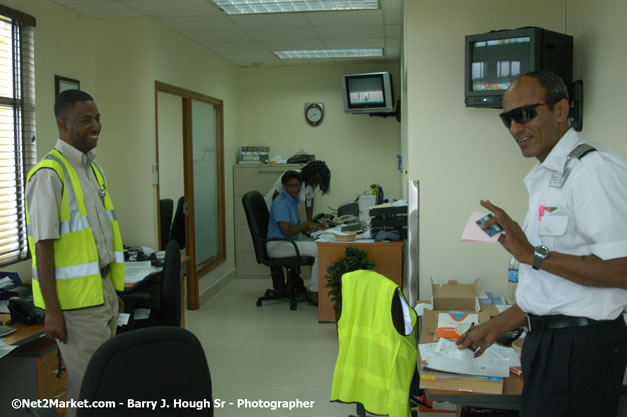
[{"x": 65, "y": 83}]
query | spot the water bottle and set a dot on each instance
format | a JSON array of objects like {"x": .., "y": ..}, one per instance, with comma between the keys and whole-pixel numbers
[{"x": 512, "y": 281}]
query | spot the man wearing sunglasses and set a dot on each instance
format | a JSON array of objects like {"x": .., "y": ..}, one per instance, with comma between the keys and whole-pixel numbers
[{"x": 572, "y": 251}]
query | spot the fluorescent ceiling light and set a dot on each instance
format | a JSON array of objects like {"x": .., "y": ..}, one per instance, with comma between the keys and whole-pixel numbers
[
  {"x": 285, "y": 6},
  {"x": 329, "y": 53}
]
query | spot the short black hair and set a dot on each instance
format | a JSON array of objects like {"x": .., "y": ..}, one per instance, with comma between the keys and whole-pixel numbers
[
  {"x": 65, "y": 100},
  {"x": 289, "y": 175},
  {"x": 552, "y": 83},
  {"x": 317, "y": 174}
]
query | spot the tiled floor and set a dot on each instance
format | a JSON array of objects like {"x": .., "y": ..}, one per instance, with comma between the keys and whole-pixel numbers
[{"x": 266, "y": 353}]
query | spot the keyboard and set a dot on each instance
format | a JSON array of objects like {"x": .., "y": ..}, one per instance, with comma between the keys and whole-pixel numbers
[{"x": 6, "y": 330}]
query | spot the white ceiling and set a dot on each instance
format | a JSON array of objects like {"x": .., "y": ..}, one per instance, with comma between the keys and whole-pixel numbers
[{"x": 248, "y": 40}]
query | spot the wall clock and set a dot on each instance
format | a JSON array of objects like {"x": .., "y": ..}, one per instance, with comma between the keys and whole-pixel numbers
[{"x": 314, "y": 113}]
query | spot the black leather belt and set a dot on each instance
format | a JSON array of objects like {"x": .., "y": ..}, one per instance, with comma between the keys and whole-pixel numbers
[{"x": 535, "y": 323}]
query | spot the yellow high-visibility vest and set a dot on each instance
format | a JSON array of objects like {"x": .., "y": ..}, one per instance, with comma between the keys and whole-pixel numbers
[
  {"x": 375, "y": 363},
  {"x": 77, "y": 271}
]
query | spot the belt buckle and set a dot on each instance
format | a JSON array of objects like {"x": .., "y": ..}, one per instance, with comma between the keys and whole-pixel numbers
[{"x": 528, "y": 323}]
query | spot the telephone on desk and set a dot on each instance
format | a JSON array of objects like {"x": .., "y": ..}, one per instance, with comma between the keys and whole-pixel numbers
[{"x": 25, "y": 311}]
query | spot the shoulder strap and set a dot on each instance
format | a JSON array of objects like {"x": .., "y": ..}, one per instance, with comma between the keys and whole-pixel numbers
[{"x": 581, "y": 150}]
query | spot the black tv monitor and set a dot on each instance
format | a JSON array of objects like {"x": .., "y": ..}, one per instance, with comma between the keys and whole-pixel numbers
[
  {"x": 368, "y": 92},
  {"x": 495, "y": 59}
]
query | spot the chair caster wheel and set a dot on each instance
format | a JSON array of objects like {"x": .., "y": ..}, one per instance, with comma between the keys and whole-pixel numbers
[
  {"x": 293, "y": 306},
  {"x": 258, "y": 303}
]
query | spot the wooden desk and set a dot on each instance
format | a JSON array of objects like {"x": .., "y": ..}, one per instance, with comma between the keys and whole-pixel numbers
[
  {"x": 509, "y": 399},
  {"x": 388, "y": 258},
  {"x": 29, "y": 371}
]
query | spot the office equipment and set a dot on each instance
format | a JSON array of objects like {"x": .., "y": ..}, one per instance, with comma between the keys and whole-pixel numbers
[
  {"x": 166, "y": 209},
  {"x": 301, "y": 158},
  {"x": 6, "y": 330},
  {"x": 495, "y": 59},
  {"x": 257, "y": 216},
  {"x": 389, "y": 221},
  {"x": 25, "y": 311},
  {"x": 153, "y": 364},
  {"x": 368, "y": 92}
]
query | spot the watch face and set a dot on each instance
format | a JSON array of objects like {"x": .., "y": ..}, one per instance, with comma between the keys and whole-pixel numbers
[{"x": 542, "y": 251}]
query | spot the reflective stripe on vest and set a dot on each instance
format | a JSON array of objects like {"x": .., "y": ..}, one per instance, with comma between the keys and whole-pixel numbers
[{"x": 375, "y": 364}]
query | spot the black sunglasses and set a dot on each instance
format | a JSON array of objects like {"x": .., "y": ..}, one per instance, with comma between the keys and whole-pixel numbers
[{"x": 521, "y": 115}]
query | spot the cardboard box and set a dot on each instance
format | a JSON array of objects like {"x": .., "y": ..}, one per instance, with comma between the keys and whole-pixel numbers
[{"x": 452, "y": 296}]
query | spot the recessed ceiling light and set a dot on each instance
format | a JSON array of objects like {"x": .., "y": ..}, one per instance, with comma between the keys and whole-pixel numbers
[
  {"x": 329, "y": 53},
  {"x": 286, "y": 6}
]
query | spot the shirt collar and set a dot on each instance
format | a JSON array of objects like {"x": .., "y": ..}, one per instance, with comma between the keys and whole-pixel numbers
[
  {"x": 556, "y": 160},
  {"x": 73, "y": 155},
  {"x": 288, "y": 196}
]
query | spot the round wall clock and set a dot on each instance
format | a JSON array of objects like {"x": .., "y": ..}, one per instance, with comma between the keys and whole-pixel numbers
[{"x": 314, "y": 113}]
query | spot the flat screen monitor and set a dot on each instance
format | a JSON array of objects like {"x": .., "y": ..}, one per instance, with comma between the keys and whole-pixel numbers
[{"x": 368, "y": 93}]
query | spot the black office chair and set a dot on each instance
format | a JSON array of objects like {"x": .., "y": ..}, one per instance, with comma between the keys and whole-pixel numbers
[
  {"x": 154, "y": 364},
  {"x": 257, "y": 217},
  {"x": 178, "y": 224},
  {"x": 165, "y": 303},
  {"x": 166, "y": 209}
]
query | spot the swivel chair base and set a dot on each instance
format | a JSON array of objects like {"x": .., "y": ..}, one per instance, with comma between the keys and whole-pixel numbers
[{"x": 294, "y": 291}]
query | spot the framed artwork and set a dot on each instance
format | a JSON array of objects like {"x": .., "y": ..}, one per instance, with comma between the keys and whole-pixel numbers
[{"x": 64, "y": 83}]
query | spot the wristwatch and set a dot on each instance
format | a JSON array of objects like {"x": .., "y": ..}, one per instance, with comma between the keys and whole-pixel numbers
[{"x": 540, "y": 253}]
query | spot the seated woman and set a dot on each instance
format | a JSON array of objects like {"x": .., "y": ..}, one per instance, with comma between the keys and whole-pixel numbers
[{"x": 285, "y": 224}]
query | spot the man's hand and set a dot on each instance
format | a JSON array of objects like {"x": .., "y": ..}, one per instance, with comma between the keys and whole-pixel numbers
[
  {"x": 313, "y": 226},
  {"x": 54, "y": 326},
  {"x": 479, "y": 338},
  {"x": 513, "y": 238}
]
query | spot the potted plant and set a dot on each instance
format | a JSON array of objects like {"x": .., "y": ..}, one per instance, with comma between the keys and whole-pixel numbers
[{"x": 353, "y": 260}]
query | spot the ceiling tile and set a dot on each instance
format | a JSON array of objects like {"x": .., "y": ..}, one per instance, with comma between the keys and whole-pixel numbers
[
  {"x": 350, "y": 32},
  {"x": 278, "y": 33},
  {"x": 171, "y": 8},
  {"x": 103, "y": 10},
  {"x": 392, "y": 16},
  {"x": 218, "y": 38},
  {"x": 393, "y": 31},
  {"x": 194, "y": 24},
  {"x": 270, "y": 20},
  {"x": 347, "y": 18},
  {"x": 292, "y": 44},
  {"x": 391, "y": 4},
  {"x": 354, "y": 43}
]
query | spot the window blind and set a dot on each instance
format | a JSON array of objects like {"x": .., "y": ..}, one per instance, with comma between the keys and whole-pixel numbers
[{"x": 17, "y": 129}]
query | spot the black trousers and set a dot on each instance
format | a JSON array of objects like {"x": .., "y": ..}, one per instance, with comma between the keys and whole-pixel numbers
[{"x": 576, "y": 371}]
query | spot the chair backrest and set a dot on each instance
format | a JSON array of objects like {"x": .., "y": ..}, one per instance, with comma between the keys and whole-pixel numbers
[
  {"x": 166, "y": 208},
  {"x": 178, "y": 224},
  {"x": 170, "y": 304},
  {"x": 257, "y": 217},
  {"x": 151, "y": 364}
]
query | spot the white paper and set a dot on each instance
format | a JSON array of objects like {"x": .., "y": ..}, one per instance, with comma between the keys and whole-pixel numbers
[
  {"x": 136, "y": 271},
  {"x": 123, "y": 319},
  {"x": 426, "y": 350},
  {"x": 502, "y": 307},
  {"x": 420, "y": 308},
  {"x": 5, "y": 349},
  {"x": 448, "y": 358},
  {"x": 141, "y": 313},
  {"x": 4, "y": 306}
]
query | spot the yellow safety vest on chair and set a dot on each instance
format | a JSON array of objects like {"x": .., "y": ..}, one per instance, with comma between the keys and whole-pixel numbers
[
  {"x": 375, "y": 363},
  {"x": 77, "y": 271}
]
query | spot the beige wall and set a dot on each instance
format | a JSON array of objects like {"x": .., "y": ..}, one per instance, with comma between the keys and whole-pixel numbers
[
  {"x": 462, "y": 155},
  {"x": 360, "y": 150}
]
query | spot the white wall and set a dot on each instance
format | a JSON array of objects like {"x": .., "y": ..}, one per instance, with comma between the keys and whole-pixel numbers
[
  {"x": 462, "y": 155},
  {"x": 360, "y": 150}
]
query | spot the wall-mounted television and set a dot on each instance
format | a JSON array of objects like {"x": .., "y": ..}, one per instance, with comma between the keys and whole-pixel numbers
[
  {"x": 495, "y": 59},
  {"x": 368, "y": 92}
]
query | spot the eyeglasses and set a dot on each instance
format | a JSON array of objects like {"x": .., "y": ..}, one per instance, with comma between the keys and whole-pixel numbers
[
  {"x": 520, "y": 115},
  {"x": 298, "y": 185}
]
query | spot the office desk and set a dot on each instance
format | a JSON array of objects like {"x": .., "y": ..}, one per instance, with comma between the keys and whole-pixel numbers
[
  {"x": 509, "y": 399},
  {"x": 388, "y": 258},
  {"x": 29, "y": 372}
]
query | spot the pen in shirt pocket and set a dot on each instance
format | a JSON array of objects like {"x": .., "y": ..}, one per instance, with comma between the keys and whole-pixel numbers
[{"x": 545, "y": 209}]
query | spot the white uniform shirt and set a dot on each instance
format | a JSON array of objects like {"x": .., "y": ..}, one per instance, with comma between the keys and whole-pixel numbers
[
  {"x": 306, "y": 192},
  {"x": 587, "y": 215}
]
